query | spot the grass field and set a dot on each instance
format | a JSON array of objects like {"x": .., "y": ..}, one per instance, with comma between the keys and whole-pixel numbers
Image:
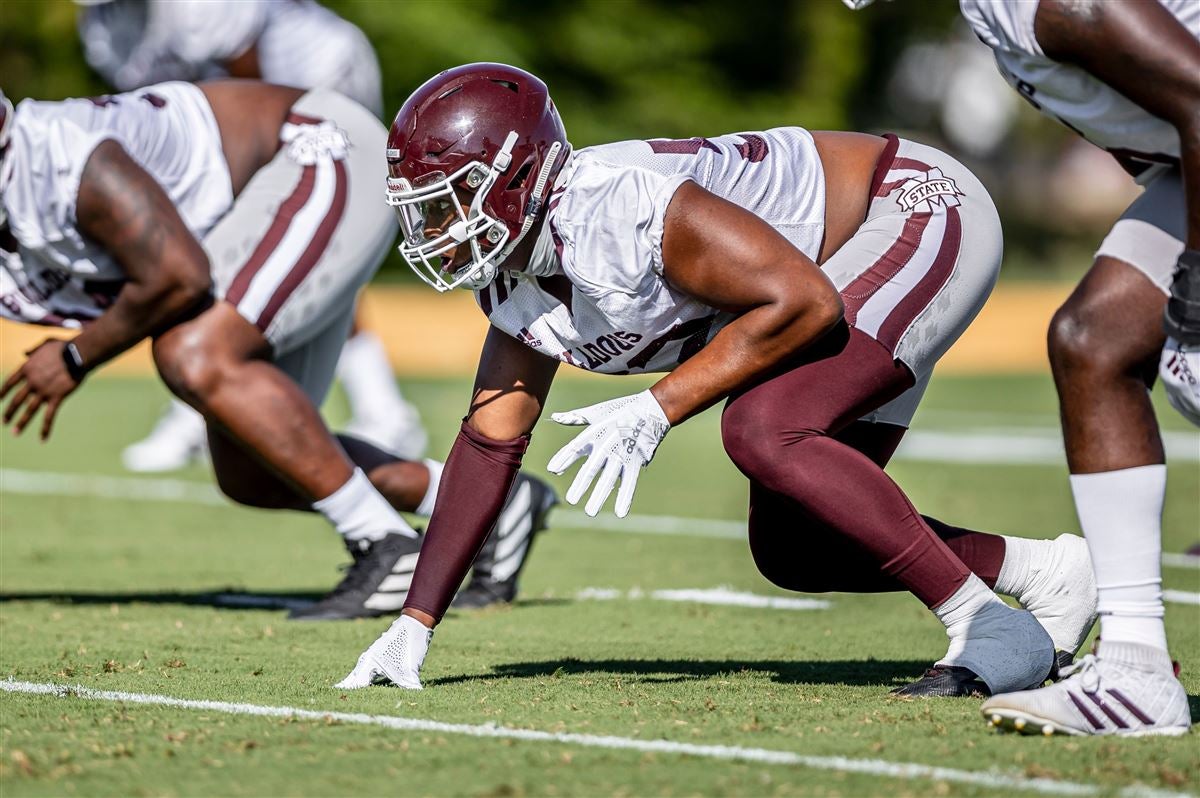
[{"x": 100, "y": 590}]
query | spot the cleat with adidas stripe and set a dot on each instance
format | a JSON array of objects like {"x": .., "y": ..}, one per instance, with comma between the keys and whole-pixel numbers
[
  {"x": 376, "y": 581},
  {"x": 1126, "y": 689},
  {"x": 506, "y": 550}
]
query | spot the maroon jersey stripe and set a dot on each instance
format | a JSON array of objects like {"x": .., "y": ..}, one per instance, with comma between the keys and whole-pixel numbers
[
  {"x": 283, "y": 219},
  {"x": 884, "y": 164},
  {"x": 316, "y": 248},
  {"x": 889, "y": 264},
  {"x": 911, "y": 163},
  {"x": 923, "y": 293}
]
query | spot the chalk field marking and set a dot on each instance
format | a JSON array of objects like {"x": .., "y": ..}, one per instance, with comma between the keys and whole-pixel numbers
[
  {"x": 1181, "y": 597},
  {"x": 873, "y": 767},
  {"x": 1020, "y": 446},
  {"x": 724, "y": 596},
  {"x": 52, "y": 483}
]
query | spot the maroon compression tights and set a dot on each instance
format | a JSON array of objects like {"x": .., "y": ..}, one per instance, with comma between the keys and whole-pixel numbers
[{"x": 823, "y": 514}]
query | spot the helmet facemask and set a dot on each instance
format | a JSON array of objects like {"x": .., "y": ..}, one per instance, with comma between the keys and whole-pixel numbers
[{"x": 432, "y": 199}]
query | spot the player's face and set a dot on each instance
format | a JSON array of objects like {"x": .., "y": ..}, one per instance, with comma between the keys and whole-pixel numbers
[{"x": 440, "y": 214}]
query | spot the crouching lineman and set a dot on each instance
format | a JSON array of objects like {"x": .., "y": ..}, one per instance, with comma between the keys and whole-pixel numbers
[
  {"x": 698, "y": 258},
  {"x": 107, "y": 201},
  {"x": 1127, "y": 77}
]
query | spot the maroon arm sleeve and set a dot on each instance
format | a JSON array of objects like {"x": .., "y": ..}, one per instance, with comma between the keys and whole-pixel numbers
[{"x": 478, "y": 475}]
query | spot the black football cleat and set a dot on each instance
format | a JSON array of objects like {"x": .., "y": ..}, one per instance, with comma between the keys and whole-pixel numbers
[
  {"x": 946, "y": 681},
  {"x": 506, "y": 550},
  {"x": 376, "y": 581}
]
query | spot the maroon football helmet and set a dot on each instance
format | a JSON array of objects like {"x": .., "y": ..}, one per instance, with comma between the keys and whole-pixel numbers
[{"x": 490, "y": 131}]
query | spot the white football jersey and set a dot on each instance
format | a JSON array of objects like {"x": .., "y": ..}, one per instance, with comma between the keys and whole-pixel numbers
[
  {"x": 59, "y": 275},
  {"x": 300, "y": 43},
  {"x": 594, "y": 295},
  {"x": 1071, "y": 95}
]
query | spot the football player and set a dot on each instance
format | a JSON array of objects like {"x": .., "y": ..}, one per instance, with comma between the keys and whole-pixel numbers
[
  {"x": 812, "y": 280},
  {"x": 238, "y": 243},
  {"x": 133, "y": 43},
  {"x": 1126, "y": 76}
]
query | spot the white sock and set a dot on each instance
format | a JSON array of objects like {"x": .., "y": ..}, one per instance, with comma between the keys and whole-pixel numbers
[
  {"x": 957, "y": 612},
  {"x": 425, "y": 508},
  {"x": 366, "y": 374},
  {"x": 1017, "y": 570},
  {"x": 359, "y": 512},
  {"x": 1121, "y": 516}
]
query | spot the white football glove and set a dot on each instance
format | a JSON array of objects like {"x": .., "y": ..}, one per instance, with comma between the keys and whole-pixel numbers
[
  {"x": 1179, "y": 369},
  {"x": 621, "y": 437},
  {"x": 394, "y": 659}
]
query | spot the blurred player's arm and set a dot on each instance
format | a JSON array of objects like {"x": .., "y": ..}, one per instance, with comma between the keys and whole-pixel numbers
[
  {"x": 123, "y": 209},
  {"x": 728, "y": 258}
]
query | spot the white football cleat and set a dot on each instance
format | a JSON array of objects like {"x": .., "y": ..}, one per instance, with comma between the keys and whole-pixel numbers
[
  {"x": 1126, "y": 689},
  {"x": 394, "y": 659},
  {"x": 1006, "y": 648},
  {"x": 1061, "y": 593},
  {"x": 180, "y": 438}
]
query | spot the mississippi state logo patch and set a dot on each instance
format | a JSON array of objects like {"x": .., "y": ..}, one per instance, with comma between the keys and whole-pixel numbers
[{"x": 923, "y": 194}]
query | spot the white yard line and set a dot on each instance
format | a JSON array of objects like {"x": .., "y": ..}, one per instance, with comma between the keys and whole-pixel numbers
[
  {"x": 999, "y": 446},
  {"x": 52, "y": 483},
  {"x": 723, "y": 596},
  {"x": 873, "y": 767},
  {"x": 1181, "y": 597}
]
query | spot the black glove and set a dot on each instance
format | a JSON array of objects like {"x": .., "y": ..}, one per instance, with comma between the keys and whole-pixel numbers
[{"x": 1182, "y": 317}]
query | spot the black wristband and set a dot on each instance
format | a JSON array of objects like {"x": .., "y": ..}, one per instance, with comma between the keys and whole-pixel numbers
[
  {"x": 74, "y": 362},
  {"x": 1181, "y": 320}
]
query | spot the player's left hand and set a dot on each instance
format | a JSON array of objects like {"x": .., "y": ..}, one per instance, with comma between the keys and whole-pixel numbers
[
  {"x": 621, "y": 437},
  {"x": 1179, "y": 369},
  {"x": 42, "y": 380}
]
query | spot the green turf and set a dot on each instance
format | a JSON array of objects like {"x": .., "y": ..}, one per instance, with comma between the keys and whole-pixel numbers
[{"x": 110, "y": 594}]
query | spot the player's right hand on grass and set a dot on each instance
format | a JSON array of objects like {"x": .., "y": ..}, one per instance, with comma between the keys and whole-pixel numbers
[{"x": 394, "y": 659}]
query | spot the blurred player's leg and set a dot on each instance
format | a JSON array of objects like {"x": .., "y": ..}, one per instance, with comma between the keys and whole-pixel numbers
[
  {"x": 177, "y": 440},
  {"x": 379, "y": 412}
]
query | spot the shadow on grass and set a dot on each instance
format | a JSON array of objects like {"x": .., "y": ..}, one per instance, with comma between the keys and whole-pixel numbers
[
  {"x": 870, "y": 672},
  {"x": 227, "y": 599}
]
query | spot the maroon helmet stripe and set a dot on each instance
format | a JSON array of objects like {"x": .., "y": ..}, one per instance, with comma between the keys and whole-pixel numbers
[
  {"x": 316, "y": 248},
  {"x": 884, "y": 164},
  {"x": 1113, "y": 716},
  {"x": 1083, "y": 710},
  {"x": 916, "y": 300},
  {"x": 1133, "y": 709},
  {"x": 889, "y": 264},
  {"x": 279, "y": 226}
]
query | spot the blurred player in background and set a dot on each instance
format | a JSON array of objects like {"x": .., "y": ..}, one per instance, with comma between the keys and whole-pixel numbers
[
  {"x": 133, "y": 43},
  {"x": 238, "y": 242},
  {"x": 698, "y": 259},
  {"x": 1126, "y": 76}
]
